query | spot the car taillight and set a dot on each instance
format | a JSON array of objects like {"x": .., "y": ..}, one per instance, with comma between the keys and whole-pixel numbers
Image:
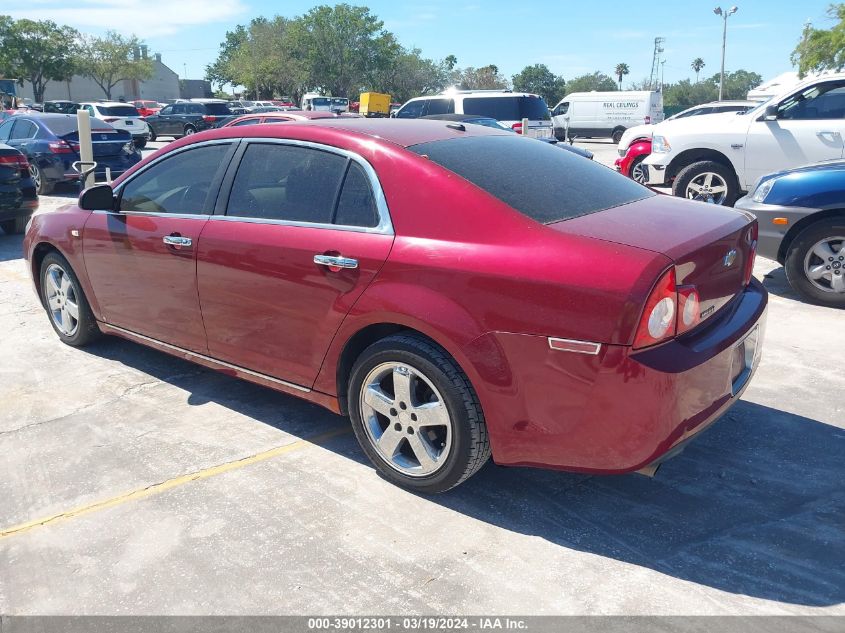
[
  {"x": 517, "y": 127},
  {"x": 208, "y": 118},
  {"x": 60, "y": 147},
  {"x": 751, "y": 236},
  {"x": 647, "y": 119},
  {"x": 689, "y": 308},
  {"x": 659, "y": 320},
  {"x": 14, "y": 161}
]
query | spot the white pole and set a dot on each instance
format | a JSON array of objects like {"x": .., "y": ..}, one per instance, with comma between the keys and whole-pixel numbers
[
  {"x": 525, "y": 127},
  {"x": 86, "y": 148}
]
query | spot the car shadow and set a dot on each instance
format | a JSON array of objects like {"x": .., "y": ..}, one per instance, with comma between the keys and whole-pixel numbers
[
  {"x": 755, "y": 506},
  {"x": 776, "y": 283},
  {"x": 11, "y": 246}
]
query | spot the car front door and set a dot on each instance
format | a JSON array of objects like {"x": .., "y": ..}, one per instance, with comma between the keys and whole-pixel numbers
[
  {"x": 302, "y": 233},
  {"x": 141, "y": 257},
  {"x": 809, "y": 128}
]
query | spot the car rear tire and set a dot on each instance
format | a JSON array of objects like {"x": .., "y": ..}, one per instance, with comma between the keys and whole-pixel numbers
[
  {"x": 401, "y": 385},
  {"x": 707, "y": 181},
  {"x": 65, "y": 302},
  {"x": 141, "y": 143},
  {"x": 15, "y": 226},
  {"x": 42, "y": 186},
  {"x": 636, "y": 172},
  {"x": 153, "y": 136},
  {"x": 190, "y": 129},
  {"x": 815, "y": 263},
  {"x": 617, "y": 135}
]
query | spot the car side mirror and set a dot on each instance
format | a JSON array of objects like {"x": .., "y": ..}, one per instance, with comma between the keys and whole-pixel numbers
[
  {"x": 97, "y": 198},
  {"x": 770, "y": 113}
]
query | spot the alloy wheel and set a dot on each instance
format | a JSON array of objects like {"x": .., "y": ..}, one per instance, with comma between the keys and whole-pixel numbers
[
  {"x": 638, "y": 173},
  {"x": 406, "y": 419},
  {"x": 36, "y": 176},
  {"x": 708, "y": 187},
  {"x": 62, "y": 299},
  {"x": 824, "y": 264}
]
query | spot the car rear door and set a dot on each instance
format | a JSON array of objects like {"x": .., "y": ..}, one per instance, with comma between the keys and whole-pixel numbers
[
  {"x": 809, "y": 128},
  {"x": 141, "y": 257},
  {"x": 301, "y": 232}
]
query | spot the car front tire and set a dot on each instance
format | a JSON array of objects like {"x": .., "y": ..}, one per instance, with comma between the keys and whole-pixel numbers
[
  {"x": 416, "y": 415},
  {"x": 815, "y": 263},
  {"x": 707, "y": 181},
  {"x": 65, "y": 302}
]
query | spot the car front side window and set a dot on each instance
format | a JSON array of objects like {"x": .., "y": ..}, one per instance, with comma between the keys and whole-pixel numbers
[
  {"x": 412, "y": 110},
  {"x": 823, "y": 101},
  {"x": 177, "y": 184}
]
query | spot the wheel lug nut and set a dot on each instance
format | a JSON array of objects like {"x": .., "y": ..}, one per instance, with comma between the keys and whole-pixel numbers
[
  {"x": 397, "y": 426},
  {"x": 410, "y": 430},
  {"x": 414, "y": 417},
  {"x": 394, "y": 412},
  {"x": 403, "y": 406}
]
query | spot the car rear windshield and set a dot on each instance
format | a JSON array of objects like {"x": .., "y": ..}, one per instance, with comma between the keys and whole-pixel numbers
[
  {"x": 218, "y": 109},
  {"x": 62, "y": 126},
  {"x": 126, "y": 110},
  {"x": 544, "y": 182},
  {"x": 508, "y": 108}
]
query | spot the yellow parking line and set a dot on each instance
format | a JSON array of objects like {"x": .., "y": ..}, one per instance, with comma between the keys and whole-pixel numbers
[{"x": 154, "y": 489}]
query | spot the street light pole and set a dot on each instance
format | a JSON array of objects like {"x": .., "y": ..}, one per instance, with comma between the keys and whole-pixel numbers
[{"x": 725, "y": 14}]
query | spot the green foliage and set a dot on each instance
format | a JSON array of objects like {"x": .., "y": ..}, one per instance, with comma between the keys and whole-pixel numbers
[
  {"x": 822, "y": 49},
  {"x": 37, "y": 51},
  {"x": 697, "y": 65},
  {"x": 484, "y": 78},
  {"x": 620, "y": 71},
  {"x": 111, "y": 59},
  {"x": 686, "y": 94},
  {"x": 597, "y": 81},
  {"x": 538, "y": 79}
]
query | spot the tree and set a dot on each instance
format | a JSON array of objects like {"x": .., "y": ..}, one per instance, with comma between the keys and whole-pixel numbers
[
  {"x": 220, "y": 72},
  {"x": 111, "y": 59},
  {"x": 451, "y": 61},
  {"x": 738, "y": 83},
  {"x": 38, "y": 52},
  {"x": 686, "y": 94},
  {"x": 821, "y": 49},
  {"x": 697, "y": 65},
  {"x": 586, "y": 83},
  {"x": 484, "y": 78},
  {"x": 621, "y": 71},
  {"x": 542, "y": 81}
]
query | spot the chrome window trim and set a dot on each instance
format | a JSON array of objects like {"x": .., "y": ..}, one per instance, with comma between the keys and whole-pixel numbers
[{"x": 385, "y": 225}]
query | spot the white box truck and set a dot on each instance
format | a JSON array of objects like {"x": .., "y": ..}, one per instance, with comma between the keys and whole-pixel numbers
[{"x": 605, "y": 114}]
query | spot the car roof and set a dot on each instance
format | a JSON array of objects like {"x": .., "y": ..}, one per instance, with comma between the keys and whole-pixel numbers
[
  {"x": 456, "y": 117},
  {"x": 402, "y": 132}
]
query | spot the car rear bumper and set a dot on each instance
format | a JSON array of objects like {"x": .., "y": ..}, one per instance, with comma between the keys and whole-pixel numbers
[
  {"x": 619, "y": 410},
  {"x": 771, "y": 234}
]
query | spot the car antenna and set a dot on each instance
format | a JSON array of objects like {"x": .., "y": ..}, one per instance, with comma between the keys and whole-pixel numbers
[{"x": 457, "y": 126}]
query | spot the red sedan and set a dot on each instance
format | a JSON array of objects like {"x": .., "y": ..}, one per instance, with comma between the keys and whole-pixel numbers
[
  {"x": 279, "y": 117},
  {"x": 147, "y": 108},
  {"x": 456, "y": 290}
]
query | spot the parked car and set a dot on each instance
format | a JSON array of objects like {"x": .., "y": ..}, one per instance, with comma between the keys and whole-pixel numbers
[
  {"x": 186, "y": 118},
  {"x": 121, "y": 116},
  {"x": 241, "y": 106},
  {"x": 60, "y": 107},
  {"x": 146, "y": 108},
  {"x": 802, "y": 226},
  {"x": 605, "y": 114},
  {"x": 270, "y": 108},
  {"x": 493, "y": 123},
  {"x": 50, "y": 143},
  {"x": 284, "y": 102},
  {"x": 510, "y": 108},
  {"x": 277, "y": 117},
  {"x": 340, "y": 105},
  {"x": 420, "y": 288},
  {"x": 715, "y": 157},
  {"x": 18, "y": 198},
  {"x": 636, "y": 141},
  {"x": 314, "y": 102}
]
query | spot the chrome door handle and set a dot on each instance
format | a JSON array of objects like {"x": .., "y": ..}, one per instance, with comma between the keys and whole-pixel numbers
[
  {"x": 827, "y": 133},
  {"x": 177, "y": 240},
  {"x": 335, "y": 262}
]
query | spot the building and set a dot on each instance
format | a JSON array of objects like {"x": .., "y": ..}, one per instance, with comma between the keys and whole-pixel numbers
[
  {"x": 196, "y": 89},
  {"x": 162, "y": 86}
]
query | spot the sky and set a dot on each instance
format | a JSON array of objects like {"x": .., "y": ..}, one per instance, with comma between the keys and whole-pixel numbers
[{"x": 571, "y": 38}]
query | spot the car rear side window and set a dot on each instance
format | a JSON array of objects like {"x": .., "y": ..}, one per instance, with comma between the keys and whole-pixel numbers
[
  {"x": 537, "y": 179},
  {"x": 440, "y": 106},
  {"x": 356, "y": 205},
  {"x": 286, "y": 182},
  {"x": 508, "y": 108},
  {"x": 24, "y": 129},
  {"x": 218, "y": 109},
  {"x": 177, "y": 184}
]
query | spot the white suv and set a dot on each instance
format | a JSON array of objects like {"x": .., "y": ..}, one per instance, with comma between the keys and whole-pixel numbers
[
  {"x": 121, "y": 116},
  {"x": 509, "y": 108},
  {"x": 715, "y": 157}
]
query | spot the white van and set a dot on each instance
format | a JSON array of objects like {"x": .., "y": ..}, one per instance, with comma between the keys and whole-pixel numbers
[
  {"x": 605, "y": 114},
  {"x": 315, "y": 102},
  {"x": 507, "y": 107}
]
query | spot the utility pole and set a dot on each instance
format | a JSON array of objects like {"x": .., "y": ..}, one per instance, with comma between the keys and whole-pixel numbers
[
  {"x": 725, "y": 15},
  {"x": 662, "y": 72}
]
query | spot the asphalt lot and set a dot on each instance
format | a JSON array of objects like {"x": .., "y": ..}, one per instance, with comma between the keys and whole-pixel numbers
[{"x": 136, "y": 483}]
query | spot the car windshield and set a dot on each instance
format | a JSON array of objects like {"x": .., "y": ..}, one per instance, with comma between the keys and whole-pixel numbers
[
  {"x": 122, "y": 110},
  {"x": 321, "y": 101},
  {"x": 508, "y": 108},
  {"x": 218, "y": 108},
  {"x": 534, "y": 178},
  {"x": 758, "y": 108},
  {"x": 342, "y": 102}
]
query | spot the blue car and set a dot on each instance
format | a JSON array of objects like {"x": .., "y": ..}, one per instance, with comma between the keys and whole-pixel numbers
[
  {"x": 801, "y": 213},
  {"x": 50, "y": 143}
]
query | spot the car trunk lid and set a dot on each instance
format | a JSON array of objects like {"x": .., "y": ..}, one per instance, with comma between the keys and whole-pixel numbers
[
  {"x": 710, "y": 245},
  {"x": 105, "y": 142}
]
